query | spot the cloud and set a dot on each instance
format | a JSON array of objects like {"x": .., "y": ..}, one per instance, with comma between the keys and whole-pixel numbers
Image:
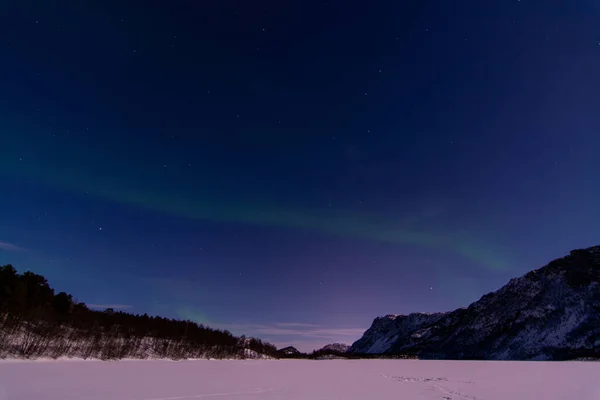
[
  {"x": 10, "y": 247},
  {"x": 294, "y": 324},
  {"x": 113, "y": 306},
  {"x": 325, "y": 333},
  {"x": 304, "y": 337},
  {"x": 294, "y": 329}
]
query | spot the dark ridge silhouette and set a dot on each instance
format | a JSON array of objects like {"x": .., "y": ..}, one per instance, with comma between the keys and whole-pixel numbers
[{"x": 36, "y": 322}]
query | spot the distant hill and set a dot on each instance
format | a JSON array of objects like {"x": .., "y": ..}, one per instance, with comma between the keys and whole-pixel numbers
[
  {"x": 336, "y": 347},
  {"x": 552, "y": 313},
  {"x": 336, "y": 350},
  {"x": 331, "y": 351},
  {"x": 290, "y": 352},
  {"x": 36, "y": 322}
]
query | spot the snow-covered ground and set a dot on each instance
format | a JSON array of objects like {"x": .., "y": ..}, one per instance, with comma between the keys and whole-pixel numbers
[{"x": 298, "y": 380}]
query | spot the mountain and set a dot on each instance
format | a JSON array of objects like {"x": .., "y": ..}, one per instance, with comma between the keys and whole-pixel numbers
[
  {"x": 336, "y": 348},
  {"x": 552, "y": 313},
  {"x": 289, "y": 351}
]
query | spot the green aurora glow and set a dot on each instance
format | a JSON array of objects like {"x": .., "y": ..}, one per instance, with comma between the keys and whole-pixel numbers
[{"x": 80, "y": 168}]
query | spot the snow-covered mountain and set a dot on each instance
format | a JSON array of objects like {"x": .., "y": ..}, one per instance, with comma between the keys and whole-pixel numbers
[
  {"x": 551, "y": 313},
  {"x": 336, "y": 347},
  {"x": 289, "y": 351}
]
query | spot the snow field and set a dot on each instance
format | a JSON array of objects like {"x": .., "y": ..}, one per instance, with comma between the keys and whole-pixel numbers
[{"x": 298, "y": 380}]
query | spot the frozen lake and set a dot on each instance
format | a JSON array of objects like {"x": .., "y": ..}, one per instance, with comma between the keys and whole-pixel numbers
[{"x": 298, "y": 379}]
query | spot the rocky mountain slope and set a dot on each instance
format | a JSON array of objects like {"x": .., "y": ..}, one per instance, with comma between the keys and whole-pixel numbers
[
  {"x": 552, "y": 313},
  {"x": 336, "y": 347}
]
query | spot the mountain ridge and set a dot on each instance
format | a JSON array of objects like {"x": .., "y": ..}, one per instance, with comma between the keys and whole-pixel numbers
[
  {"x": 550, "y": 313},
  {"x": 336, "y": 347}
]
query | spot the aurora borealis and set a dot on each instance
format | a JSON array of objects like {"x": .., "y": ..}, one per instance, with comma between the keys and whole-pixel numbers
[{"x": 226, "y": 163}]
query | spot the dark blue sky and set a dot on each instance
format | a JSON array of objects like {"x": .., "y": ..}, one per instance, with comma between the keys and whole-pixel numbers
[{"x": 294, "y": 169}]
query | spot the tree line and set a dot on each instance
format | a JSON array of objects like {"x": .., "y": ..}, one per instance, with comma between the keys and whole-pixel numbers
[{"x": 36, "y": 322}]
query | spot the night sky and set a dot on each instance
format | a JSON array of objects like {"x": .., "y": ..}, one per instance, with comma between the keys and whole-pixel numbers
[{"x": 293, "y": 169}]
